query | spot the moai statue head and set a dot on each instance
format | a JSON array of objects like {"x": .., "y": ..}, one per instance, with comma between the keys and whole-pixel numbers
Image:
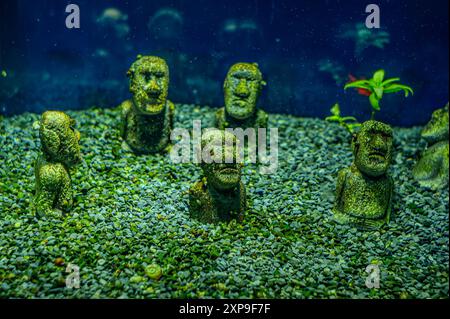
[
  {"x": 220, "y": 164},
  {"x": 59, "y": 138},
  {"x": 437, "y": 128},
  {"x": 149, "y": 84},
  {"x": 431, "y": 171},
  {"x": 242, "y": 88},
  {"x": 372, "y": 148}
]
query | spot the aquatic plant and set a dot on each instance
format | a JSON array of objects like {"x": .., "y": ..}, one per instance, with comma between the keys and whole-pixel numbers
[
  {"x": 377, "y": 86},
  {"x": 342, "y": 120}
]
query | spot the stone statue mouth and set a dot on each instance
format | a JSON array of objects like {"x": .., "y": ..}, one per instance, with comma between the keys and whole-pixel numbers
[
  {"x": 153, "y": 95},
  {"x": 240, "y": 101},
  {"x": 228, "y": 170},
  {"x": 153, "y": 108},
  {"x": 377, "y": 155}
]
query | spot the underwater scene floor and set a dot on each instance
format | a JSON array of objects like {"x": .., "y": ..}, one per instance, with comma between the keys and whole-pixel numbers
[{"x": 131, "y": 213}]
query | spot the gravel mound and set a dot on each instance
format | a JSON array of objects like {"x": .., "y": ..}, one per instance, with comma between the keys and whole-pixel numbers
[{"x": 131, "y": 215}]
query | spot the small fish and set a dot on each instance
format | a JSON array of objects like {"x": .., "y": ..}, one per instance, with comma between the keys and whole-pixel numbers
[
  {"x": 4, "y": 74},
  {"x": 361, "y": 91}
]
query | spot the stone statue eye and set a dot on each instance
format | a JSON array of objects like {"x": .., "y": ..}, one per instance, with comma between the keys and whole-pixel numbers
[
  {"x": 147, "y": 76},
  {"x": 211, "y": 154}
]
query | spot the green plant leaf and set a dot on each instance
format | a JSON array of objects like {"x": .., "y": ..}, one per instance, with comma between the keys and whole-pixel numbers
[
  {"x": 389, "y": 81},
  {"x": 333, "y": 118},
  {"x": 374, "y": 102},
  {"x": 379, "y": 92},
  {"x": 399, "y": 87},
  {"x": 378, "y": 76},
  {"x": 377, "y": 87},
  {"x": 348, "y": 118},
  {"x": 335, "y": 110},
  {"x": 362, "y": 84},
  {"x": 351, "y": 127}
]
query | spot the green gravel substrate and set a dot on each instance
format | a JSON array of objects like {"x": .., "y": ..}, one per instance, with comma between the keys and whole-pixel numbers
[{"x": 131, "y": 212}]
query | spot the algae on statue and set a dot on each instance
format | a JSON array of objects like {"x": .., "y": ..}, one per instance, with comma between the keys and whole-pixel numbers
[
  {"x": 242, "y": 88},
  {"x": 147, "y": 119},
  {"x": 364, "y": 190},
  {"x": 220, "y": 195},
  {"x": 432, "y": 170},
  {"x": 60, "y": 151}
]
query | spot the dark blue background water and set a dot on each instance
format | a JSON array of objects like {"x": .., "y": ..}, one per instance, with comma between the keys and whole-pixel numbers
[{"x": 49, "y": 66}]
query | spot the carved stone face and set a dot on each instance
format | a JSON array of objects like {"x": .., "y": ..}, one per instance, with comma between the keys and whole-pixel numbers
[
  {"x": 372, "y": 148},
  {"x": 437, "y": 128},
  {"x": 149, "y": 84},
  {"x": 220, "y": 147},
  {"x": 59, "y": 138},
  {"x": 242, "y": 87}
]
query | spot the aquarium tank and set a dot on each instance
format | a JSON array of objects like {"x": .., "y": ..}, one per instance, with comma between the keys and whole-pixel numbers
[{"x": 253, "y": 149}]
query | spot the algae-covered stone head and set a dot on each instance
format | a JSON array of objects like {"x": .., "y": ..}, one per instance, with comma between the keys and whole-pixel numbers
[
  {"x": 431, "y": 171},
  {"x": 220, "y": 159},
  {"x": 220, "y": 195},
  {"x": 59, "y": 138},
  {"x": 437, "y": 128},
  {"x": 372, "y": 148},
  {"x": 242, "y": 88},
  {"x": 149, "y": 84}
]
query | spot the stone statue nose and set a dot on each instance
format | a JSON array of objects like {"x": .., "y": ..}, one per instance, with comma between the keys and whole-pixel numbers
[
  {"x": 242, "y": 89},
  {"x": 152, "y": 86},
  {"x": 378, "y": 143}
]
